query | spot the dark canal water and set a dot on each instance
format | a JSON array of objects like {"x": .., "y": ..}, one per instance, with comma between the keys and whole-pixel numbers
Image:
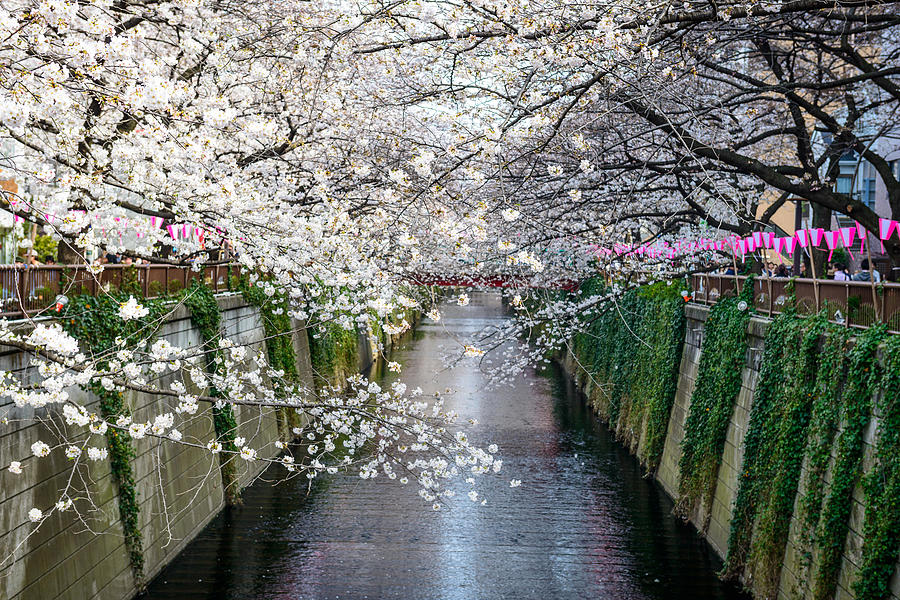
[{"x": 584, "y": 523}]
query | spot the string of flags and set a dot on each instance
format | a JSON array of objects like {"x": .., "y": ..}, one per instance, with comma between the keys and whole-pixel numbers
[
  {"x": 740, "y": 247},
  {"x": 180, "y": 231}
]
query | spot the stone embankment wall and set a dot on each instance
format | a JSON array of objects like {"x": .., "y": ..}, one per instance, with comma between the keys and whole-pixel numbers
[
  {"x": 713, "y": 520},
  {"x": 179, "y": 487}
]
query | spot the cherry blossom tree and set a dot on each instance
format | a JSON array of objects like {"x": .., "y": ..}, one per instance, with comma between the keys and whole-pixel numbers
[{"x": 339, "y": 151}]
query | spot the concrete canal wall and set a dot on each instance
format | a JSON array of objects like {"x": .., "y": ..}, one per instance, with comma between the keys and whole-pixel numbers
[
  {"x": 179, "y": 488},
  {"x": 713, "y": 522}
]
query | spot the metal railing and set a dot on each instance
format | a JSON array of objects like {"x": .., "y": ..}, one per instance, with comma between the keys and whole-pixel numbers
[
  {"x": 850, "y": 303},
  {"x": 31, "y": 290}
]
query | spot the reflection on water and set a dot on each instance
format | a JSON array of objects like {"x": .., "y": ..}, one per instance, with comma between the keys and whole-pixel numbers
[{"x": 584, "y": 523}]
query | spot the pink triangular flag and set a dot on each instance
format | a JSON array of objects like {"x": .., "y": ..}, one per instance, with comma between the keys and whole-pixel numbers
[
  {"x": 886, "y": 228},
  {"x": 847, "y": 234},
  {"x": 815, "y": 236},
  {"x": 790, "y": 245},
  {"x": 831, "y": 240},
  {"x": 861, "y": 232},
  {"x": 779, "y": 244},
  {"x": 172, "y": 231},
  {"x": 800, "y": 236}
]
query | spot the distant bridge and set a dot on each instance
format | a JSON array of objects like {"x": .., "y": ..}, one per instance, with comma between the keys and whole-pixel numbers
[{"x": 494, "y": 281}]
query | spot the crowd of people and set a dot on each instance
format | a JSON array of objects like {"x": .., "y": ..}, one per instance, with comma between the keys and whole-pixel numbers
[{"x": 838, "y": 271}]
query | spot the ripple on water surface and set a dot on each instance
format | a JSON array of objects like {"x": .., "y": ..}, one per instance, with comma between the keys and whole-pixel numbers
[{"x": 584, "y": 523}]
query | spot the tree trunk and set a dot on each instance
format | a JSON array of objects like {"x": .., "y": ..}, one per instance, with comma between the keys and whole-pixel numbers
[
  {"x": 821, "y": 218},
  {"x": 66, "y": 254}
]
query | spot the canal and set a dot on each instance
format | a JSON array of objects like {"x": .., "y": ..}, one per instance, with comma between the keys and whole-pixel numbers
[{"x": 583, "y": 524}]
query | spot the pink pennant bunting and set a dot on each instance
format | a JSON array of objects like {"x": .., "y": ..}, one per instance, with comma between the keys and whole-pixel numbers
[
  {"x": 779, "y": 244},
  {"x": 769, "y": 239},
  {"x": 172, "y": 232},
  {"x": 800, "y": 236},
  {"x": 156, "y": 222},
  {"x": 758, "y": 239},
  {"x": 750, "y": 243}
]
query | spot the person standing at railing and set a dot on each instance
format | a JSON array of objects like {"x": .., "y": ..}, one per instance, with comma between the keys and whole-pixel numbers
[
  {"x": 864, "y": 275},
  {"x": 840, "y": 272}
]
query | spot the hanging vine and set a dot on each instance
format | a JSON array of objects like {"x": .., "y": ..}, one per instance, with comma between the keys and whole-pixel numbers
[
  {"x": 205, "y": 316},
  {"x": 813, "y": 399},
  {"x": 279, "y": 346},
  {"x": 768, "y": 394},
  {"x": 824, "y": 424},
  {"x": 862, "y": 374},
  {"x": 333, "y": 352},
  {"x": 789, "y": 430},
  {"x": 633, "y": 350},
  {"x": 94, "y": 321},
  {"x": 881, "y": 528},
  {"x": 722, "y": 360}
]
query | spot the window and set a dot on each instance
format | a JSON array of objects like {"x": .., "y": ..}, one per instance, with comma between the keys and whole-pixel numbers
[
  {"x": 844, "y": 184},
  {"x": 867, "y": 184}
]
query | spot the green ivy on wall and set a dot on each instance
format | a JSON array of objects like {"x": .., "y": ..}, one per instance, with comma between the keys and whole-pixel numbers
[
  {"x": 881, "y": 529},
  {"x": 774, "y": 448},
  {"x": 767, "y": 397},
  {"x": 824, "y": 424},
  {"x": 279, "y": 346},
  {"x": 818, "y": 389},
  {"x": 863, "y": 374},
  {"x": 205, "y": 316},
  {"x": 724, "y": 350},
  {"x": 633, "y": 350},
  {"x": 94, "y": 321},
  {"x": 333, "y": 353}
]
